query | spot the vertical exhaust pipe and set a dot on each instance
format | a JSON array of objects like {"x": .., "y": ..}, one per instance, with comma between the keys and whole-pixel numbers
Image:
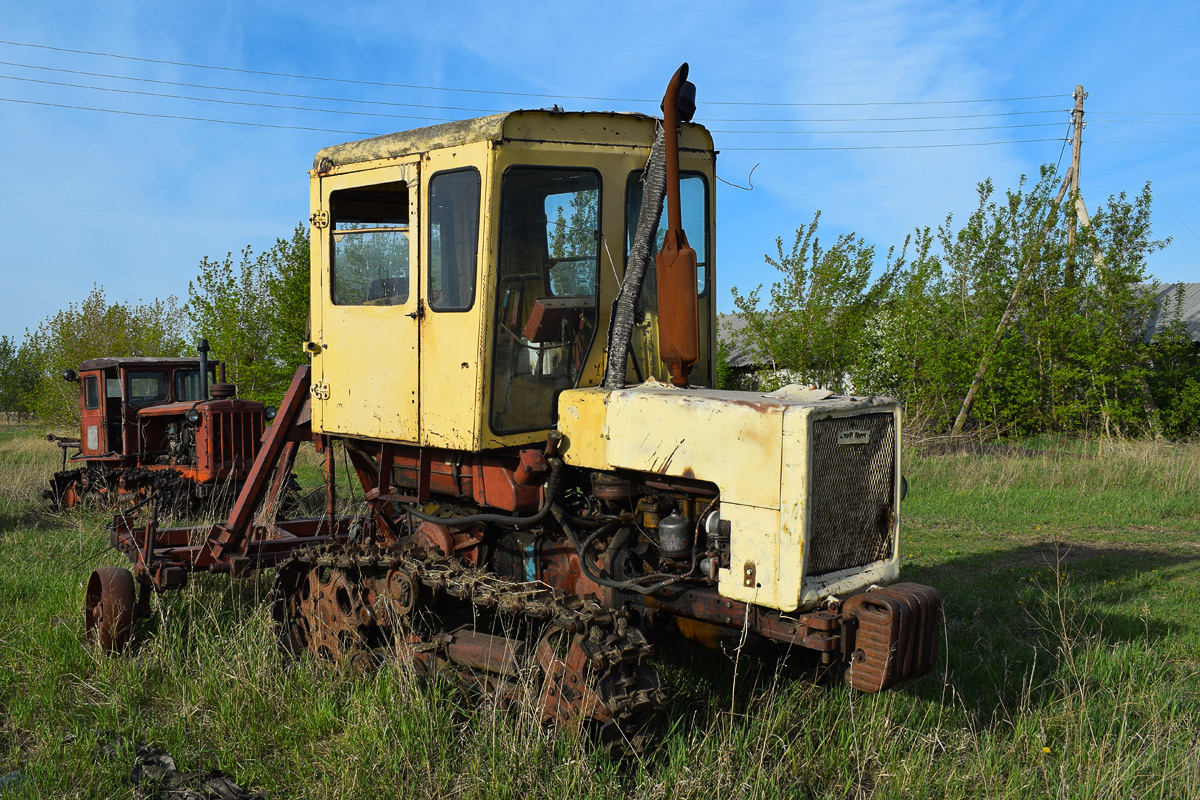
[
  {"x": 202, "y": 349},
  {"x": 678, "y": 301}
]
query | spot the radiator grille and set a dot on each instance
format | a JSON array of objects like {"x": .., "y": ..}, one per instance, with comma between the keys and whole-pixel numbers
[
  {"x": 234, "y": 439},
  {"x": 852, "y": 500}
]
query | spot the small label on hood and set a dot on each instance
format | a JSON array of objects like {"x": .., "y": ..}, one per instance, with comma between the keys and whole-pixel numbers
[{"x": 853, "y": 437}]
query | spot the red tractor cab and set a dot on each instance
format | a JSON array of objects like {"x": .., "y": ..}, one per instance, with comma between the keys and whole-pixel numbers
[{"x": 156, "y": 423}]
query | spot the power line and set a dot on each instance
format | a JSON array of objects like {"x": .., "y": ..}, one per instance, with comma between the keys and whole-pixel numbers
[
  {"x": 1159, "y": 194},
  {"x": 886, "y": 146},
  {"x": 376, "y": 133},
  {"x": 885, "y": 103},
  {"x": 358, "y": 82},
  {"x": 1143, "y": 141},
  {"x": 1151, "y": 113},
  {"x": 459, "y": 108},
  {"x": 891, "y": 119},
  {"x": 900, "y": 130},
  {"x": 1067, "y": 138},
  {"x": 321, "y": 78},
  {"x": 247, "y": 91},
  {"x": 248, "y": 104},
  {"x": 1149, "y": 121},
  {"x": 180, "y": 116},
  {"x": 222, "y": 102}
]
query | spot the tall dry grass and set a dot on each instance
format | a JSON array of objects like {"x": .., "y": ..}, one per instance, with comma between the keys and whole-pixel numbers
[{"x": 1072, "y": 678}]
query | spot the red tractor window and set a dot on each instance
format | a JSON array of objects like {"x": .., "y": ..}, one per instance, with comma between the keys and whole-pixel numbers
[
  {"x": 91, "y": 392},
  {"x": 147, "y": 387}
]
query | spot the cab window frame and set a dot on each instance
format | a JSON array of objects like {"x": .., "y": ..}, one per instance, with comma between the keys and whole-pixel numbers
[
  {"x": 635, "y": 176},
  {"x": 598, "y": 174},
  {"x": 91, "y": 392},
  {"x": 135, "y": 401},
  {"x": 405, "y": 227},
  {"x": 430, "y": 253}
]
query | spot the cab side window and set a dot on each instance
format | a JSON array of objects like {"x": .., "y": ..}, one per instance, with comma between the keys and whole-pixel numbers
[
  {"x": 370, "y": 259},
  {"x": 546, "y": 297},
  {"x": 453, "y": 239},
  {"x": 91, "y": 392}
]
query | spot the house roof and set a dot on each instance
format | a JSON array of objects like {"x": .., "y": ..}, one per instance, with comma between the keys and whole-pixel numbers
[
  {"x": 731, "y": 332},
  {"x": 1164, "y": 297}
]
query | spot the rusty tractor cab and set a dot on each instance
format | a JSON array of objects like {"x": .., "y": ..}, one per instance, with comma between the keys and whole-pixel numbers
[
  {"x": 166, "y": 424},
  {"x": 524, "y": 393}
]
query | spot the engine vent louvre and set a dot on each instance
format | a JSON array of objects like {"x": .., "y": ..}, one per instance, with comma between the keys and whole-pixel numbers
[{"x": 852, "y": 500}]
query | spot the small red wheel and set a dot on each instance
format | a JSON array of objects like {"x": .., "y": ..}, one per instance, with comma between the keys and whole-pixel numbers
[{"x": 108, "y": 608}]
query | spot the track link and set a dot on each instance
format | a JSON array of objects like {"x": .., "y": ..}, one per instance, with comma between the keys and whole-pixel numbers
[{"x": 111, "y": 487}]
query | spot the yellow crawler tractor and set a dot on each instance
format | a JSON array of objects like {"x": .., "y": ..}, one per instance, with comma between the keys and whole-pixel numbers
[{"x": 525, "y": 394}]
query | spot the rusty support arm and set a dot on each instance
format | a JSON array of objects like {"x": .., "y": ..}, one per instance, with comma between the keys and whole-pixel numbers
[{"x": 228, "y": 536}]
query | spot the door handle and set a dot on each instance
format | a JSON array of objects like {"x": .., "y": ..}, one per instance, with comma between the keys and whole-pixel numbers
[{"x": 420, "y": 312}]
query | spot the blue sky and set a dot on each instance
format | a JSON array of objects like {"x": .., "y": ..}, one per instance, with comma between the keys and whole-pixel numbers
[{"x": 134, "y": 202}]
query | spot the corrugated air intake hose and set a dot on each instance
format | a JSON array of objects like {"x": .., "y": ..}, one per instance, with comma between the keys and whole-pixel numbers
[{"x": 620, "y": 329}]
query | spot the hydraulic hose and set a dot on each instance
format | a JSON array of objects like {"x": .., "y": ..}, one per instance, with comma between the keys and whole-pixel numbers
[
  {"x": 549, "y": 490},
  {"x": 591, "y": 573}
]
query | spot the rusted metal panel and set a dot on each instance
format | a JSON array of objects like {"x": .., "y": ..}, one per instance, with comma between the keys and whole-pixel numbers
[
  {"x": 258, "y": 480},
  {"x": 497, "y": 654}
]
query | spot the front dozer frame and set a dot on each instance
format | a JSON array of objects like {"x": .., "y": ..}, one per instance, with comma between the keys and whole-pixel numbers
[{"x": 163, "y": 558}]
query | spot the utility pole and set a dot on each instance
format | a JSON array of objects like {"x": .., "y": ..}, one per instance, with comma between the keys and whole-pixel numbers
[{"x": 1076, "y": 147}]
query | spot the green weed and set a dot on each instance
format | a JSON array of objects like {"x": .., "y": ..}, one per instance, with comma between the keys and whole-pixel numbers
[{"x": 1070, "y": 667}]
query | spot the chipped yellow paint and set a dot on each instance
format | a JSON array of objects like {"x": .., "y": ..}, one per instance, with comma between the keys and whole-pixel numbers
[
  {"x": 581, "y": 420},
  {"x": 385, "y": 372},
  {"x": 369, "y": 393},
  {"x": 452, "y": 373},
  {"x": 685, "y": 432}
]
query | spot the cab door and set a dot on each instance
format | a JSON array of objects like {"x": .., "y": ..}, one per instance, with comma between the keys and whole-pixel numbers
[
  {"x": 367, "y": 304},
  {"x": 92, "y": 440}
]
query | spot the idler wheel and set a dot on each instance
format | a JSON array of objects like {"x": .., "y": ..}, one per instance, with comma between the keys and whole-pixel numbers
[
  {"x": 108, "y": 608},
  {"x": 403, "y": 590}
]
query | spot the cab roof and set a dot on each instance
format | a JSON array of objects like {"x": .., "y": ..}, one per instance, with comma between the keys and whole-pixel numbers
[
  {"x": 617, "y": 129},
  {"x": 141, "y": 361}
]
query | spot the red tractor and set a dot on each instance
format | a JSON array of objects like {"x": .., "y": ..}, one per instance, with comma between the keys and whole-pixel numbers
[{"x": 157, "y": 424}]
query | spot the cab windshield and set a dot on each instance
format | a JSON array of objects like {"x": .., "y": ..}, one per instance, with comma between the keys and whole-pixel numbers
[{"x": 146, "y": 387}]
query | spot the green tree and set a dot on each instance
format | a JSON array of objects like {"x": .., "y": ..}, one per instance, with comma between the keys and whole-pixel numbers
[
  {"x": 812, "y": 328},
  {"x": 18, "y": 378},
  {"x": 254, "y": 314},
  {"x": 991, "y": 293},
  {"x": 1174, "y": 381},
  {"x": 96, "y": 328}
]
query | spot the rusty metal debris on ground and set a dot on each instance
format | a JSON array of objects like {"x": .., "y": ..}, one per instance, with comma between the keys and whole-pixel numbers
[{"x": 155, "y": 776}]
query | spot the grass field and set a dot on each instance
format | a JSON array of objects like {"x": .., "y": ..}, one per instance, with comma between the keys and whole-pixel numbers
[{"x": 1070, "y": 666}]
